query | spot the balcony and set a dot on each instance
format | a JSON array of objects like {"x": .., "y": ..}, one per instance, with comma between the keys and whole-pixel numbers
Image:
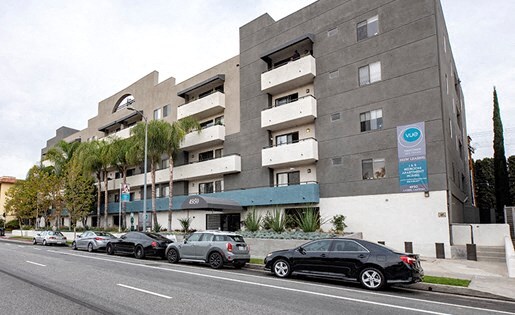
[
  {"x": 207, "y": 137},
  {"x": 302, "y": 111},
  {"x": 204, "y": 107},
  {"x": 122, "y": 134},
  {"x": 289, "y": 76},
  {"x": 219, "y": 166},
  {"x": 293, "y": 154}
]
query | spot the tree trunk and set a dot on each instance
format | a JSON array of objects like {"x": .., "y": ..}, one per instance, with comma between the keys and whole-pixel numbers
[
  {"x": 99, "y": 198},
  {"x": 124, "y": 206},
  {"x": 170, "y": 195},
  {"x": 153, "y": 175},
  {"x": 106, "y": 200}
]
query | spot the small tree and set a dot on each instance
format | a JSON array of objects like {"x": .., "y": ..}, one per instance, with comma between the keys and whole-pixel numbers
[
  {"x": 186, "y": 223},
  {"x": 252, "y": 220},
  {"x": 500, "y": 167},
  {"x": 278, "y": 221},
  {"x": 309, "y": 220},
  {"x": 338, "y": 222}
]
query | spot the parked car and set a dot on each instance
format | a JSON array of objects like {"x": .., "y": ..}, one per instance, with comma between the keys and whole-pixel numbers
[
  {"x": 213, "y": 247},
  {"x": 139, "y": 244},
  {"x": 92, "y": 240},
  {"x": 373, "y": 265},
  {"x": 49, "y": 238}
]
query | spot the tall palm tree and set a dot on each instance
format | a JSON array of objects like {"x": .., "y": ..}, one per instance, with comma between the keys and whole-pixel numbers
[
  {"x": 156, "y": 143},
  {"x": 89, "y": 155},
  {"x": 175, "y": 133},
  {"x": 125, "y": 155}
]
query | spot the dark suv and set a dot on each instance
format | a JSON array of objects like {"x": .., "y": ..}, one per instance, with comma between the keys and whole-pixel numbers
[{"x": 213, "y": 247}]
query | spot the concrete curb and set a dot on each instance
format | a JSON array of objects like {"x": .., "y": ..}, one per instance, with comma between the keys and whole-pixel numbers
[{"x": 429, "y": 287}]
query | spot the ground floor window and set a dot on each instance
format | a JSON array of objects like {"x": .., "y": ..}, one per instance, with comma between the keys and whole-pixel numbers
[
  {"x": 288, "y": 178},
  {"x": 373, "y": 168}
]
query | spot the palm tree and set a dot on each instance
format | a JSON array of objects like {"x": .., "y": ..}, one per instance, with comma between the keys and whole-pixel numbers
[
  {"x": 89, "y": 155},
  {"x": 61, "y": 154},
  {"x": 175, "y": 133},
  {"x": 156, "y": 147},
  {"x": 124, "y": 156}
]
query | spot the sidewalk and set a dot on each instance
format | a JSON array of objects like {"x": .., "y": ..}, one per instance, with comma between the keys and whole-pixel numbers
[{"x": 488, "y": 278}]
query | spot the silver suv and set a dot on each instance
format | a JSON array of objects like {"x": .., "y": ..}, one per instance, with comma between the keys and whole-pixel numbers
[{"x": 213, "y": 247}]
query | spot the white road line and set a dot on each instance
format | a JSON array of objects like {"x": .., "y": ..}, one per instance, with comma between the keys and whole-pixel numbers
[
  {"x": 30, "y": 262},
  {"x": 297, "y": 290},
  {"x": 21, "y": 246},
  {"x": 36, "y": 248},
  {"x": 145, "y": 291}
]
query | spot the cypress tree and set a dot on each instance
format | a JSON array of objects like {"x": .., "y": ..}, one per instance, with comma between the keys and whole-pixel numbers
[{"x": 500, "y": 167}]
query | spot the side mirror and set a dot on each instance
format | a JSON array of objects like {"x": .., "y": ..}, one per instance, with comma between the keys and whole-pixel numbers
[
  {"x": 39, "y": 234},
  {"x": 301, "y": 250},
  {"x": 185, "y": 241},
  {"x": 79, "y": 236}
]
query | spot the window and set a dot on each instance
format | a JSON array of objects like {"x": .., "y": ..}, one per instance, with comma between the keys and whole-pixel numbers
[
  {"x": 166, "y": 110},
  {"x": 286, "y": 99},
  {"x": 337, "y": 161},
  {"x": 370, "y": 73},
  {"x": 195, "y": 237},
  {"x": 157, "y": 114},
  {"x": 287, "y": 138},
  {"x": 205, "y": 188},
  {"x": 317, "y": 246},
  {"x": 207, "y": 237},
  {"x": 218, "y": 186},
  {"x": 218, "y": 153},
  {"x": 446, "y": 84},
  {"x": 372, "y": 120},
  {"x": 204, "y": 156},
  {"x": 130, "y": 172},
  {"x": 332, "y": 32},
  {"x": 206, "y": 124},
  {"x": 368, "y": 28},
  {"x": 165, "y": 190},
  {"x": 450, "y": 127},
  {"x": 289, "y": 178},
  {"x": 219, "y": 120},
  {"x": 165, "y": 163},
  {"x": 348, "y": 246},
  {"x": 373, "y": 168}
]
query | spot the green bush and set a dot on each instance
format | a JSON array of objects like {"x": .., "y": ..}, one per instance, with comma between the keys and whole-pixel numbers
[
  {"x": 12, "y": 225},
  {"x": 252, "y": 221},
  {"x": 338, "y": 222},
  {"x": 309, "y": 220},
  {"x": 278, "y": 221},
  {"x": 157, "y": 228},
  {"x": 186, "y": 223}
]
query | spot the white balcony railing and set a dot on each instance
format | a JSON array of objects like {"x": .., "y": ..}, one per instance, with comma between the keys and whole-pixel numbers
[
  {"x": 122, "y": 134},
  {"x": 207, "y": 137},
  {"x": 219, "y": 166},
  {"x": 289, "y": 76},
  {"x": 204, "y": 107},
  {"x": 302, "y": 111},
  {"x": 293, "y": 154}
]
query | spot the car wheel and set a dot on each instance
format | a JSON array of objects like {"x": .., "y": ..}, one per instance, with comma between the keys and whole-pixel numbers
[
  {"x": 74, "y": 245},
  {"x": 216, "y": 260},
  {"x": 238, "y": 265},
  {"x": 34, "y": 241},
  {"x": 173, "y": 256},
  {"x": 44, "y": 243},
  {"x": 139, "y": 252},
  {"x": 90, "y": 247},
  {"x": 371, "y": 278},
  {"x": 110, "y": 249},
  {"x": 281, "y": 268}
]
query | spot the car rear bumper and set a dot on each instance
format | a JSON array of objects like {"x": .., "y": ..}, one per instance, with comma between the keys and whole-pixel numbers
[
  {"x": 237, "y": 257},
  {"x": 56, "y": 242}
]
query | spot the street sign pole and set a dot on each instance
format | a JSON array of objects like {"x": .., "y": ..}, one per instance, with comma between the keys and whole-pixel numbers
[{"x": 120, "y": 210}]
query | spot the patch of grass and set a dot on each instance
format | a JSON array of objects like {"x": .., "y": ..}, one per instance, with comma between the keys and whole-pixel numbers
[
  {"x": 446, "y": 281},
  {"x": 21, "y": 238},
  {"x": 258, "y": 261}
]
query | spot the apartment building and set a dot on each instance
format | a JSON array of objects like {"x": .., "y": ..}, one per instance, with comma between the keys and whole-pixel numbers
[
  {"x": 353, "y": 107},
  {"x": 6, "y": 182}
]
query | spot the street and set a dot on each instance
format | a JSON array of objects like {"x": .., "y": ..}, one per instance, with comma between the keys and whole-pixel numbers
[{"x": 50, "y": 280}]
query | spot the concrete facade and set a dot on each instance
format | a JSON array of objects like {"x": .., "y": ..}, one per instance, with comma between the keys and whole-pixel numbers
[
  {"x": 6, "y": 182},
  {"x": 330, "y": 65}
]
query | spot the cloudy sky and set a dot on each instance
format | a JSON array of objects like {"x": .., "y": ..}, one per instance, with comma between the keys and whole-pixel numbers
[{"x": 59, "y": 58}]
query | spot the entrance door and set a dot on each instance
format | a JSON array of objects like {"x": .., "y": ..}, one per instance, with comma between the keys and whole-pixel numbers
[{"x": 223, "y": 222}]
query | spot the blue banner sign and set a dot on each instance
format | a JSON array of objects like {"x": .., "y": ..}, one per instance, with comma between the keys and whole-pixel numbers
[{"x": 411, "y": 148}]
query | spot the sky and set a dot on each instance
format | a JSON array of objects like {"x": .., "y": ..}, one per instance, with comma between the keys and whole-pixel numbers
[{"x": 59, "y": 59}]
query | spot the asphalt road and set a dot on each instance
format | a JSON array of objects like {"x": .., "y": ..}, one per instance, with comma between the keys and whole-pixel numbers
[{"x": 52, "y": 280}]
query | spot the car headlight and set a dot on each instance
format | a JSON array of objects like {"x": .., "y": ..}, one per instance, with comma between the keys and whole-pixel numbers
[{"x": 269, "y": 254}]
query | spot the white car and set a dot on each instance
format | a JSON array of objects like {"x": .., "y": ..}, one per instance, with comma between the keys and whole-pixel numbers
[{"x": 49, "y": 238}]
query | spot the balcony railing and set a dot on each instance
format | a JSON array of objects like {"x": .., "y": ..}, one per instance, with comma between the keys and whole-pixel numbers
[
  {"x": 207, "y": 137},
  {"x": 298, "y": 153},
  {"x": 298, "y": 112},
  {"x": 204, "y": 107},
  {"x": 286, "y": 77}
]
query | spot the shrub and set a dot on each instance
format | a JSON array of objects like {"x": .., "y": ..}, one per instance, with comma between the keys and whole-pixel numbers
[
  {"x": 186, "y": 223},
  {"x": 157, "y": 228},
  {"x": 309, "y": 220},
  {"x": 338, "y": 222},
  {"x": 252, "y": 221},
  {"x": 12, "y": 225},
  {"x": 267, "y": 221},
  {"x": 278, "y": 221}
]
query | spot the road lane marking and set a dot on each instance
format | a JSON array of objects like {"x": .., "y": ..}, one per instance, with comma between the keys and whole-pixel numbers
[
  {"x": 31, "y": 262},
  {"x": 297, "y": 290},
  {"x": 36, "y": 248},
  {"x": 21, "y": 246},
  {"x": 144, "y": 291}
]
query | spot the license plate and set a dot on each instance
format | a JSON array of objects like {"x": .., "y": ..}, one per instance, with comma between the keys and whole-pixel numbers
[
  {"x": 59, "y": 242},
  {"x": 241, "y": 247}
]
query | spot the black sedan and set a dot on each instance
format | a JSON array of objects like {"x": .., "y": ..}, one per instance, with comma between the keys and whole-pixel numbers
[
  {"x": 373, "y": 265},
  {"x": 139, "y": 244}
]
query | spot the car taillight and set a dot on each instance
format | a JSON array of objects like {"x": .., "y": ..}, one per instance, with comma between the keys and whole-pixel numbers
[
  {"x": 99, "y": 239},
  {"x": 408, "y": 260},
  {"x": 52, "y": 238},
  {"x": 229, "y": 247},
  {"x": 154, "y": 244}
]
